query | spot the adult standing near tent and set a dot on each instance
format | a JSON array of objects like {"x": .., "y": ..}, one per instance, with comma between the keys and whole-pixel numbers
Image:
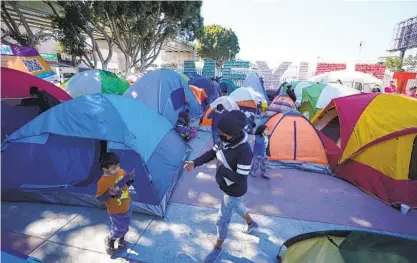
[
  {"x": 44, "y": 100},
  {"x": 291, "y": 93},
  {"x": 234, "y": 158},
  {"x": 215, "y": 115}
]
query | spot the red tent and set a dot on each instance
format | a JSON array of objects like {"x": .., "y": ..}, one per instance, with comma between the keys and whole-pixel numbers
[{"x": 16, "y": 84}]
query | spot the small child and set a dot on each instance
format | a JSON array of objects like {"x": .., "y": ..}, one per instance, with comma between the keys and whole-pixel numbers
[
  {"x": 113, "y": 189},
  {"x": 259, "y": 152}
]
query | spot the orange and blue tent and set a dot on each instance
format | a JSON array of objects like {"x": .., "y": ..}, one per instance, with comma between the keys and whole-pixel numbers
[
  {"x": 280, "y": 104},
  {"x": 376, "y": 135},
  {"x": 295, "y": 143}
]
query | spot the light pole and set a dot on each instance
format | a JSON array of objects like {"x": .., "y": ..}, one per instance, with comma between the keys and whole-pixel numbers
[
  {"x": 230, "y": 54},
  {"x": 360, "y": 49}
]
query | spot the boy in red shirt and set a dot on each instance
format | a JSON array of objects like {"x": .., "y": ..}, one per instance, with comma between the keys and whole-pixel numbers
[{"x": 113, "y": 189}]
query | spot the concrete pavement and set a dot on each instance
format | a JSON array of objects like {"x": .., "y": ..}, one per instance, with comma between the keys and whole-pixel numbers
[{"x": 55, "y": 233}]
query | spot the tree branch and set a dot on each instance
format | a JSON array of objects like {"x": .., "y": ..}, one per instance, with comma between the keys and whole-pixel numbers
[
  {"x": 24, "y": 22},
  {"x": 10, "y": 19}
]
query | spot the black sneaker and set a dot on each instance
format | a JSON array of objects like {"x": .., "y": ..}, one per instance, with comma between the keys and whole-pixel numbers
[
  {"x": 121, "y": 244},
  {"x": 109, "y": 243}
]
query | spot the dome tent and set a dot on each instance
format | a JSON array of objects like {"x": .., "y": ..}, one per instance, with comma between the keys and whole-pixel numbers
[
  {"x": 166, "y": 92},
  {"x": 295, "y": 143},
  {"x": 58, "y": 153},
  {"x": 373, "y": 140},
  {"x": 95, "y": 81}
]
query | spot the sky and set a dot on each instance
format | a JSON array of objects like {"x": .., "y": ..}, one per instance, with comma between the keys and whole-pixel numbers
[{"x": 303, "y": 30}]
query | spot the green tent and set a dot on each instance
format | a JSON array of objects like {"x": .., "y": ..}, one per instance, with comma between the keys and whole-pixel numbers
[
  {"x": 348, "y": 247},
  {"x": 95, "y": 81},
  {"x": 318, "y": 96}
]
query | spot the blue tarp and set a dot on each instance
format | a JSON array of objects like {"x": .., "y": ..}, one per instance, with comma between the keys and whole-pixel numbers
[
  {"x": 57, "y": 153},
  {"x": 165, "y": 91}
]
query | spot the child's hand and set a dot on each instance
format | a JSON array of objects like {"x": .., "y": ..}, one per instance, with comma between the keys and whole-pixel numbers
[
  {"x": 189, "y": 166},
  {"x": 114, "y": 191},
  {"x": 219, "y": 163}
]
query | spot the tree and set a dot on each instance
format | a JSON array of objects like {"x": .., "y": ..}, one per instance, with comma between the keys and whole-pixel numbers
[
  {"x": 217, "y": 43},
  {"x": 140, "y": 28},
  {"x": 394, "y": 64},
  {"x": 411, "y": 63},
  {"x": 14, "y": 34},
  {"x": 78, "y": 28}
]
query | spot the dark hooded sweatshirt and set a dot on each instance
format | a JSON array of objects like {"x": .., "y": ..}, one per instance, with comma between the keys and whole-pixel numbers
[{"x": 236, "y": 157}]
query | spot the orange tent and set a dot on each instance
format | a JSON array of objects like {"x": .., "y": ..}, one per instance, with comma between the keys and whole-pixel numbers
[
  {"x": 199, "y": 94},
  {"x": 294, "y": 140}
]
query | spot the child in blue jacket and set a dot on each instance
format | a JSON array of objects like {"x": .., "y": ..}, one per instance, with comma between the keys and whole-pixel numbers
[{"x": 259, "y": 152}]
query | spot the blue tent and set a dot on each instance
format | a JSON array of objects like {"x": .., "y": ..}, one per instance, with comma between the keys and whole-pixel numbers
[
  {"x": 205, "y": 83},
  {"x": 165, "y": 91},
  {"x": 57, "y": 153},
  {"x": 252, "y": 80},
  {"x": 226, "y": 86},
  {"x": 192, "y": 75}
]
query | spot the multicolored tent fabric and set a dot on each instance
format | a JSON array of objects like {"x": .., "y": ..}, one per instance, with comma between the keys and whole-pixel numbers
[
  {"x": 348, "y": 247},
  {"x": 298, "y": 87},
  {"x": 295, "y": 143},
  {"x": 318, "y": 96},
  {"x": 58, "y": 153},
  {"x": 247, "y": 98},
  {"x": 95, "y": 81},
  {"x": 252, "y": 80},
  {"x": 27, "y": 60},
  {"x": 205, "y": 83},
  {"x": 354, "y": 79},
  {"x": 199, "y": 94},
  {"x": 166, "y": 92},
  {"x": 279, "y": 104},
  {"x": 377, "y": 137},
  {"x": 16, "y": 85},
  {"x": 228, "y": 103}
]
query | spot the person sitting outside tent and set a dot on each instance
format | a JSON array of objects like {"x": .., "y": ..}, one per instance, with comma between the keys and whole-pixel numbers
[
  {"x": 182, "y": 125},
  {"x": 291, "y": 93},
  {"x": 234, "y": 158},
  {"x": 44, "y": 100},
  {"x": 391, "y": 88},
  {"x": 259, "y": 152},
  {"x": 215, "y": 118},
  {"x": 412, "y": 92}
]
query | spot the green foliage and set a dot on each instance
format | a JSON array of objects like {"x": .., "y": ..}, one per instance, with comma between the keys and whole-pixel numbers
[
  {"x": 140, "y": 28},
  {"x": 411, "y": 63},
  {"x": 394, "y": 64},
  {"x": 217, "y": 43},
  {"x": 13, "y": 34}
]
